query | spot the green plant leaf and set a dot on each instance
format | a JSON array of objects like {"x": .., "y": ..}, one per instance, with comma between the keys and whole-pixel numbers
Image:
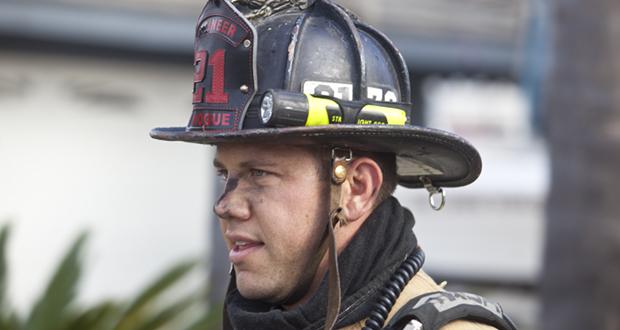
[
  {"x": 4, "y": 234},
  {"x": 100, "y": 317},
  {"x": 10, "y": 322},
  {"x": 170, "y": 314},
  {"x": 135, "y": 313},
  {"x": 49, "y": 311},
  {"x": 211, "y": 320},
  {"x": 54, "y": 311}
]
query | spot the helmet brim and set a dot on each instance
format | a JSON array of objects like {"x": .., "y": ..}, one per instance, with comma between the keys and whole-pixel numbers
[{"x": 445, "y": 158}]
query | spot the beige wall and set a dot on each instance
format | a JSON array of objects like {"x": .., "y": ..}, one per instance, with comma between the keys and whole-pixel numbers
[{"x": 75, "y": 154}]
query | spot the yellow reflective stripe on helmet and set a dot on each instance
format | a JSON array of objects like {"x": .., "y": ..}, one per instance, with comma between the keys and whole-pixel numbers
[
  {"x": 317, "y": 110},
  {"x": 394, "y": 116}
]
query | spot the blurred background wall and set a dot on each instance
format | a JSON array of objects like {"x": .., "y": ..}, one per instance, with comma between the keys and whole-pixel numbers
[
  {"x": 75, "y": 155},
  {"x": 82, "y": 82}
]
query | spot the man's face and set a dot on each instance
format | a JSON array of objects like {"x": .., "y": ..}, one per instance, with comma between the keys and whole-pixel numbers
[{"x": 272, "y": 216}]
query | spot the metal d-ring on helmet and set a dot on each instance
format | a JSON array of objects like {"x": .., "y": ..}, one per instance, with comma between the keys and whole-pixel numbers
[{"x": 310, "y": 73}]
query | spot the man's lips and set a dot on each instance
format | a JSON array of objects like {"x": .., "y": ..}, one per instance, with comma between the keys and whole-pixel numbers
[
  {"x": 242, "y": 247},
  {"x": 241, "y": 251}
]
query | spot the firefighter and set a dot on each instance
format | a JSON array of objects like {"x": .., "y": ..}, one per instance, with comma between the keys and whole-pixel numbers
[{"x": 310, "y": 111}]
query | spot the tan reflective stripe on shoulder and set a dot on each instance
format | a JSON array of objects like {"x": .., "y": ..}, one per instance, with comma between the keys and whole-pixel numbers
[
  {"x": 455, "y": 325},
  {"x": 355, "y": 326},
  {"x": 466, "y": 325},
  {"x": 420, "y": 284}
]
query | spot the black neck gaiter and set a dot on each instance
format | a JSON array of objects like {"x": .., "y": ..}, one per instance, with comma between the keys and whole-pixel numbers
[{"x": 381, "y": 244}]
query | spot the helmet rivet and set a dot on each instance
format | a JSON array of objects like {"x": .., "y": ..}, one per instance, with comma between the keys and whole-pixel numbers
[
  {"x": 244, "y": 89},
  {"x": 340, "y": 173},
  {"x": 247, "y": 43}
]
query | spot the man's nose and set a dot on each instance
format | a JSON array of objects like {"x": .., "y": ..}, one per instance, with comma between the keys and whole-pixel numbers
[{"x": 232, "y": 205}]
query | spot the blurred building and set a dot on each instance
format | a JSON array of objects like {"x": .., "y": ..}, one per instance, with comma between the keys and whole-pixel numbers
[{"x": 82, "y": 82}]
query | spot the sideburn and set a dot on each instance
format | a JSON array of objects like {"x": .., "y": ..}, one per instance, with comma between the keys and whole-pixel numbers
[{"x": 301, "y": 290}]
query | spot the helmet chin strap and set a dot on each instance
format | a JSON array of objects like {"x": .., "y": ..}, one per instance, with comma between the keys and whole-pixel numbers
[{"x": 340, "y": 158}]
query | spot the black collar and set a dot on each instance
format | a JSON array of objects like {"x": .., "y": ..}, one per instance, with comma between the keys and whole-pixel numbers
[{"x": 365, "y": 265}]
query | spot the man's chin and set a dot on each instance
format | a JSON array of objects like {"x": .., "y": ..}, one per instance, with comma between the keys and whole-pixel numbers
[
  {"x": 252, "y": 288},
  {"x": 260, "y": 295}
]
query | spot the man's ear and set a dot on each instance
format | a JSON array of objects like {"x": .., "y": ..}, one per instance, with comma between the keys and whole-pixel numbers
[{"x": 364, "y": 180}]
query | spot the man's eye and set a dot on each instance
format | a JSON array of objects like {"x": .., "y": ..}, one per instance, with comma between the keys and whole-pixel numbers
[
  {"x": 255, "y": 172},
  {"x": 222, "y": 174}
]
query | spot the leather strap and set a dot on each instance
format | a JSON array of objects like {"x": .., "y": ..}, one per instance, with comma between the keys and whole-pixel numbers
[
  {"x": 333, "y": 287},
  {"x": 333, "y": 284}
]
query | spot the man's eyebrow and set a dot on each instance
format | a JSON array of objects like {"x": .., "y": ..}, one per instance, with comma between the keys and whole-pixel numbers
[
  {"x": 254, "y": 163},
  {"x": 246, "y": 164},
  {"x": 217, "y": 163}
]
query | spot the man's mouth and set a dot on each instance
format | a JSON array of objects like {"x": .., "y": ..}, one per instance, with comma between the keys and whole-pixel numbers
[
  {"x": 242, "y": 245},
  {"x": 242, "y": 249}
]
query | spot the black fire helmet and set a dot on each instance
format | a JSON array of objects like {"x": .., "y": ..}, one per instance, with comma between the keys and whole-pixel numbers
[{"x": 312, "y": 74}]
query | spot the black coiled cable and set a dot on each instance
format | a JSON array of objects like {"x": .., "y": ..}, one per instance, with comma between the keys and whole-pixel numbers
[{"x": 392, "y": 289}]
